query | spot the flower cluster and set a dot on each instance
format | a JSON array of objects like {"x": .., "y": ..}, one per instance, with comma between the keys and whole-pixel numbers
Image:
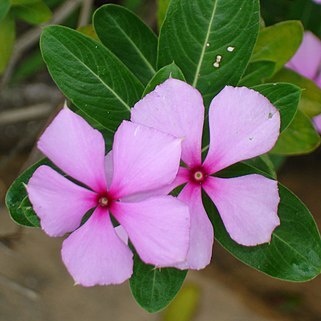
[{"x": 125, "y": 193}]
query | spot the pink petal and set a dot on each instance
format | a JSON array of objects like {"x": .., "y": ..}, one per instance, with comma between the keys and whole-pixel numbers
[
  {"x": 176, "y": 108},
  {"x": 248, "y": 206},
  {"x": 143, "y": 158},
  {"x": 59, "y": 203},
  {"x": 307, "y": 59},
  {"x": 95, "y": 255},
  {"x": 75, "y": 147},
  {"x": 109, "y": 168},
  {"x": 317, "y": 123},
  {"x": 158, "y": 228},
  {"x": 243, "y": 124},
  {"x": 181, "y": 178},
  {"x": 201, "y": 232}
]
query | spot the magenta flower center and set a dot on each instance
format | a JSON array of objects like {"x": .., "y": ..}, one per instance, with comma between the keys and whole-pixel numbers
[
  {"x": 104, "y": 200},
  {"x": 198, "y": 175}
]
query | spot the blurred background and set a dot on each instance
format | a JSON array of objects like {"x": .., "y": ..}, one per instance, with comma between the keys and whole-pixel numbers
[{"x": 35, "y": 286}]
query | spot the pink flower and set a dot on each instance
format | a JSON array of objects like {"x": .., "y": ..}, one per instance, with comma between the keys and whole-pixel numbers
[
  {"x": 307, "y": 62},
  {"x": 243, "y": 124},
  {"x": 142, "y": 159}
]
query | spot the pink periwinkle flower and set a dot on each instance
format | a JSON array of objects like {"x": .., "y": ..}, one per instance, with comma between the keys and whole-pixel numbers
[
  {"x": 142, "y": 159},
  {"x": 243, "y": 124},
  {"x": 307, "y": 62}
]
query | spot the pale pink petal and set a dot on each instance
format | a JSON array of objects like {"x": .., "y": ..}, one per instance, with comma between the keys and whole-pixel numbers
[
  {"x": 318, "y": 78},
  {"x": 307, "y": 59},
  {"x": 121, "y": 233},
  {"x": 109, "y": 168},
  {"x": 59, "y": 203},
  {"x": 95, "y": 255},
  {"x": 243, "y": 124},
  {"x": 317, "y": 123},
  {"x": 76, "y": 148},
  {"x": 157, "y": 227},
  {"x": 201, "y": 231},
  {"x": 248, "y": 206},
  {"x": 143, "y": 159},
  {"x": 181, "y": 178},
  {"x": 176, "y": 108}
]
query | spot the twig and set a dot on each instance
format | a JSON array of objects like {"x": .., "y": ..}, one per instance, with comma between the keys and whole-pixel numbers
[
  {"x": 31, "y": 37},
  {"x": 25, "y": 114},
  {"x": 85, "y": 12}
]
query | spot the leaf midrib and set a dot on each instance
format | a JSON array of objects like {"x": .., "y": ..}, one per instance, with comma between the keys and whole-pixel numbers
[
  {"x": 95, "y": 75},
  {"x": 200, "y": 62},
  {"x": 148, "y": 64}
]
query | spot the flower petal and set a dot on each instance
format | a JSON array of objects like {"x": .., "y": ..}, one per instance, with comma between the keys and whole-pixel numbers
[
  {"x": 248, "y": 206},
  {"x": 243, "y": 124},
  {"x": 201, "y": 231},
  {"x": 95, "y": 255},
  {"x": 59, "y": 203},
  {"x": 143, "y": 158},
  {"x": 158, "y": 228},
  {"x": 75, "y": 147},
  {"x": 176, "y": 108},
  {"x": 317, "y": 123},
  {"x": 307, "y": 59},
  {"x": 181, "y": 178}
]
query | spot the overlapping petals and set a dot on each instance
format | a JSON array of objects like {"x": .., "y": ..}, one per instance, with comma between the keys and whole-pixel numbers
[
  {"x": 243, "y": 124},
  {"x": 143, "y": 159}
]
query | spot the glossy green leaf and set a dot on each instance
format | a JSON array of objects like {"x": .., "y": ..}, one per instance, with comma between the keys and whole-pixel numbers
[
  {"x": 17, "y": 199},
  {"x": 285, "y": 97},
  {"x": 134, "y": 43},
  {"x": 29, "y": 213},
  {"x": 278, "y": 43},
  {"x": 299, "y": 138},
  {"x": 4, "y": 8},
  {"x": 34, "y": 13},
  {"x": 263, "y": 163},
  {"x": 310, "y": 102},
  {"x": 211, "y": 41},
  {"x": 294, "y": 253},
  {"x": 256, "y": 73},
  {"x": 162, "y": 6},
  {"x": 170, "y": 71},
  {"x": 90, "y": 75},
  {"x": 7, "y": 37},
  {"x": 155, "y": 288}
]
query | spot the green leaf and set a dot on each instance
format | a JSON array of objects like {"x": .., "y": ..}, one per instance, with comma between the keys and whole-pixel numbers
[
  {"x": 162, "y": 6},
  {"x": 310, "y": 102},
  {"x": 4, "y": 8},
  {"x": 294, "y": 253},
  {"x": 134, "y": 43},
  {"x": 263, "y": 163},
  {"x": 29, "y": 213},
  {"x": 7, "y": 37},
  {"x": 211, "y": 41},
  {"x": 88, "y": 31},
  {"x": 285, "y": 97},
  {"x": 17, "y": 198},
  {"x": 278, "y": 43},
  {"x": 155, "y": 288},
  {"x": 170, "y": 71},
  {"x": 34, "y": 13},
  {"x": 299, "y": 138},
  {"x": 22, "y": 2},
  {"x": 90, "y": 75},
  {"x": 256, "y": 73}
]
